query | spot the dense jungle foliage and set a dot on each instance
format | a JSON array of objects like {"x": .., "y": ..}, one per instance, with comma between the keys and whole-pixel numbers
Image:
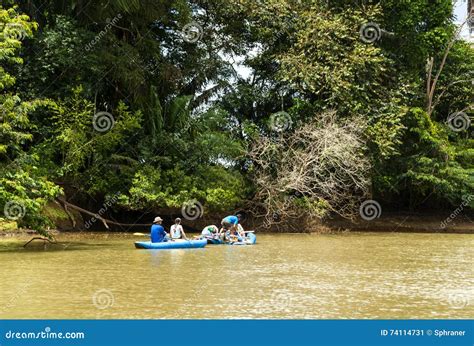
[{"x": 161, "y": 102}]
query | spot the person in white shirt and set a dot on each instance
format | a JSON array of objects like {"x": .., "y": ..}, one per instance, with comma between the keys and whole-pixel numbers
[
  {"x": 177, "y": 231},
  {"x": 210, "y": 231},
  {"x": 241, "y": 231}
]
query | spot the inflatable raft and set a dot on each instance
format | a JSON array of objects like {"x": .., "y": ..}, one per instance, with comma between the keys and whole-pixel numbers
[
  {"x": 176, "y": 244},
  {"x": 251, "y": 240},
  {"x": 213, "y": 241}
]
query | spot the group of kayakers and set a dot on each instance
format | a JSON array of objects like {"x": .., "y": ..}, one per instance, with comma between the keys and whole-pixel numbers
[{"x": 231, "y": 230}]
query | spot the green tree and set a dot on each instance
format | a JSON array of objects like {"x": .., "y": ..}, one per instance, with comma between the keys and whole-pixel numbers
[{"x": 23, "y": 189}]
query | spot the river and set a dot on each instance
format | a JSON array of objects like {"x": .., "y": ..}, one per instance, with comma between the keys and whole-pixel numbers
[{"x": 345, "y": 275}]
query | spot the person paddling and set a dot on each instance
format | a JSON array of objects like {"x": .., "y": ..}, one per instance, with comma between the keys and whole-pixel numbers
[
  {"x": 158, "y": 233},
  {"x": 177, "y": 231}
]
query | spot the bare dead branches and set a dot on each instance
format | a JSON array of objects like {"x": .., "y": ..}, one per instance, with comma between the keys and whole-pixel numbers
[{"x": 318, "y": 168}]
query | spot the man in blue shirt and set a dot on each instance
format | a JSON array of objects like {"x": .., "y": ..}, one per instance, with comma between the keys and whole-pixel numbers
[
  {"x": 158, "y": 233},
  {"x": 230, "y": 224},
  {"x": 231, "y": 220}
]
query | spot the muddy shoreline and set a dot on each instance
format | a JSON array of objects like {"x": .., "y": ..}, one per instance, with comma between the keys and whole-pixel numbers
[
  {"x": 390, "y": 222},
  {"x": 407, "y": 222}
]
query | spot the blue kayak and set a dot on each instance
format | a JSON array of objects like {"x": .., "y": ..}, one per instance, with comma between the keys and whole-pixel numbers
[{"x": 177, "y": 244}]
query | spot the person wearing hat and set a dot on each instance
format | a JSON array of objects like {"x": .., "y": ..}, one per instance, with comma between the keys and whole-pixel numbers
[
  {"x": 177, "y": 231},
  {"x": 210, "y": 231},
  {"x": 158, "y": 233}
]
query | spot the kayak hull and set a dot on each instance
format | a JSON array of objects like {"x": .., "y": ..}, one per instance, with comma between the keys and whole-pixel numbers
[{"x": 185, "y": 244}]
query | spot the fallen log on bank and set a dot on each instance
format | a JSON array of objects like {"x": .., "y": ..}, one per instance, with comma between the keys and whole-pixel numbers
[{"x": 44, "y": 239}]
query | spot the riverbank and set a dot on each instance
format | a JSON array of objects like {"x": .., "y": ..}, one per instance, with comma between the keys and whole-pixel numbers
[
  {"x": 407, "y": 222},
  {"x": 389, "y": 222}
]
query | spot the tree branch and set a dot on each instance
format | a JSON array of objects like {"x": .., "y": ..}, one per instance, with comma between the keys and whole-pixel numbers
[
  {"x": 40, "y": 238},
  {"x": 432, "y": 87},
  {"x": 106, "y": 222}
]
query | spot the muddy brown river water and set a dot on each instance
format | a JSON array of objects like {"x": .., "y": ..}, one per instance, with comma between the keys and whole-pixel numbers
[{"x": 347, "y": 275}]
